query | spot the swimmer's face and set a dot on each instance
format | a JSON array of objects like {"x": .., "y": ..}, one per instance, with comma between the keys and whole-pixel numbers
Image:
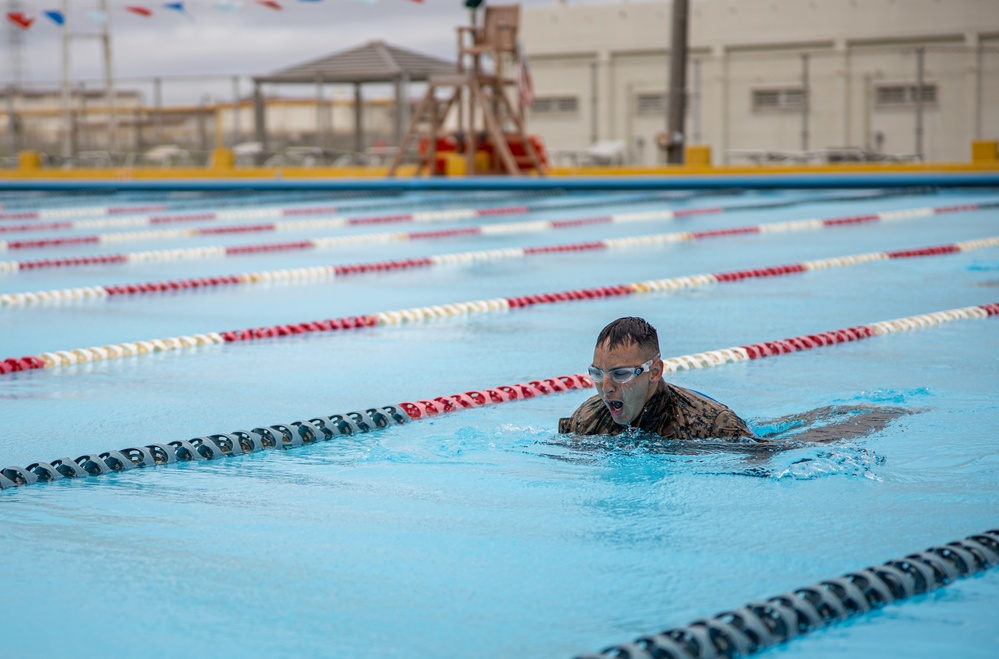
[{"x": 626, "y": 400}]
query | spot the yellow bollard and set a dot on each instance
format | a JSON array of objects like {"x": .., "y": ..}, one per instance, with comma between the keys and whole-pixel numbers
[
  {"x": 698, "y": 154},
  {"x": 223, "y": 159},
  {"x": 29, "y": 160},
  {"x": 984, "y": 151},
  {"x": 454, "y": 163}
]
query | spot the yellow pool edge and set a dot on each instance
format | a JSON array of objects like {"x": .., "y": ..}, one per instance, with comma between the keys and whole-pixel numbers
[{"x": 305, "y": 173}]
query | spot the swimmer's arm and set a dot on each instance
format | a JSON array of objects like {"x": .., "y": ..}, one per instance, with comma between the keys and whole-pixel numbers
[{"x": 728, "y": 425}]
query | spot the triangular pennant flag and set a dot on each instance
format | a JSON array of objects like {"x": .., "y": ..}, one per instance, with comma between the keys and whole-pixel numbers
[
  {"x": 270, "y": 3},
  {"x": 56, "y": 17},
  {"x": 19, "y": 19},
  {"x": 141, "y": 11},
  {"x": 98, "y": 15},
  {"x": 178, "y": 7}
]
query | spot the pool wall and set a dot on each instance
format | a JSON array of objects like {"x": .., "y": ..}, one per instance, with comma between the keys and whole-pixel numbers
[{"x": 761, "y": 180}]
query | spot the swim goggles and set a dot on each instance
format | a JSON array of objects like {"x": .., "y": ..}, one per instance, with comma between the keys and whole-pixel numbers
[{"x": 621, "y": 375}]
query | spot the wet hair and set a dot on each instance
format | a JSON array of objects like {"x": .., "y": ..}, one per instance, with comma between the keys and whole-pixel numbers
[{"x": 630, "y": 329}]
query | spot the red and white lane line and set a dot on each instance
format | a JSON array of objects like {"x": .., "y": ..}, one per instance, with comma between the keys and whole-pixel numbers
[
  {"x": 241, "y": 214},
  {"x": 86, "y": 211},
  {"x": 324, "y": 273},
  {"x": 444, "y": 404},
  {"x": 417, "y": 314},
  {"x": 139, "y": 215},
  {"x": 263, "y": 214},
  {"x": 98, "y": 216},
  {"x": 339, "y": 222},
  {"x": 672, "y": 364},
  {"x": 449, "y": 215},
  {"x": 290, "y": 225},
  {"x": 215, "y": 252}
]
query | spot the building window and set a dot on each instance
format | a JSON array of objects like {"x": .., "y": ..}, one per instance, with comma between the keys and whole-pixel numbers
[
  {"x": 787, "y": 98},
  {"x": 651, "y": 103},
  {"x": 555, "y": 105},
  {"x": 903, "y": 95}
]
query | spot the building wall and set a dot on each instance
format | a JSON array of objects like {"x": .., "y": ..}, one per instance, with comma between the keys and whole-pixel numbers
[{"x": 861, "y": 55}]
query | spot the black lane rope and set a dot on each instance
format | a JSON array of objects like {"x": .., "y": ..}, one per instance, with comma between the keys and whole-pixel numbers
[
  {"x": 278, "y": 436},
  {"x": 761, "y": 625}
]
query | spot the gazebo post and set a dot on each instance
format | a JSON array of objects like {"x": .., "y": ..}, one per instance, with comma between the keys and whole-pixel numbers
[
  {"x": 358, "y": 133},
  {"x": 320, "y": 124},
  {"x": 401, "y": 106},
  {"x": 259, "y": 116}
]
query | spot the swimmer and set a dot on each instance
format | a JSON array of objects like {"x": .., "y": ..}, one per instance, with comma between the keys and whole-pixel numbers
[{"x": 627, "y": 372}]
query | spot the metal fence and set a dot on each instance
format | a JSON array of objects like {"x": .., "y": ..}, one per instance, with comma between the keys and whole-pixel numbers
[{"x": 179, "y": 121}]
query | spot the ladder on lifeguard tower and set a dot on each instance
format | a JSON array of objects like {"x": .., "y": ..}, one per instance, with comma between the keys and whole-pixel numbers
[{"x": 477, "y": 94}]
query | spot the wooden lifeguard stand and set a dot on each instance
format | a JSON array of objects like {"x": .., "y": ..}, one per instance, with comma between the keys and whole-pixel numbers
[{"x": 490, "y": 131}]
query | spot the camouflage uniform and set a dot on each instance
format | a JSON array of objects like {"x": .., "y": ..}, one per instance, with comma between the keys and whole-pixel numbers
[{"x": 672, "y": 413}]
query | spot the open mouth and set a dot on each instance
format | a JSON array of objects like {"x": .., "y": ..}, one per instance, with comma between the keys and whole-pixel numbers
[{"x": 615, "y": 404}]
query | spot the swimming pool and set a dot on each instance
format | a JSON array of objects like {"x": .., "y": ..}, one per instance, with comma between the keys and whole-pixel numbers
[{"x": 483, "y": 533}]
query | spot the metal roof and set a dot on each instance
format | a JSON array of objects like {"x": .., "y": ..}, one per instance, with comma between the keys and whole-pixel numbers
[{"x": 375, "y": 61}]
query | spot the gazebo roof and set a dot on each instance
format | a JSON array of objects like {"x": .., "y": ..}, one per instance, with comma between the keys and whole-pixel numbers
[{"x": 375, "y": 61}]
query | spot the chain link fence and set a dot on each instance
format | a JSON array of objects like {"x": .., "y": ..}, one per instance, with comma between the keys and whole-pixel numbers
[{"x": 179, "y": 121}]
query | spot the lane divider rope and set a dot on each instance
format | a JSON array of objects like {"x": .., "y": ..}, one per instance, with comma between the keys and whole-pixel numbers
[
  {"x": 424, "y": 216},
  {"x": 85, "y": 211},
  {"x": 147, "y": 213},
  {"x": 326, "y": 273},
  {"x": 277, "y": 213},
  {"x": 764, "y": 624},
  {"x": 63, "y": 358},
  {"x": 299, "y": 433},
  {"x": 206, "y": 252},
  {"x": 289, "y": 225}
]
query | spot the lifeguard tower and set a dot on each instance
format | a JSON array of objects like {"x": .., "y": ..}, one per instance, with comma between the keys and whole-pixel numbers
[{"x": 490, "y": 135}]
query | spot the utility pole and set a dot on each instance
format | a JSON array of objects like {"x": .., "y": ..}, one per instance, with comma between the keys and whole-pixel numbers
[
  {"x": 16, "y": 43},
  {"x": 105, "y": 38},
  {"x": 804, "y": 104},
  {"x": 15, "y": 64},
  {"x": 67, "y": 110},
  {"x": 919, "y": 102},
  {"x": 677, "y": 84},
  {"x": 108, "y": 77}
]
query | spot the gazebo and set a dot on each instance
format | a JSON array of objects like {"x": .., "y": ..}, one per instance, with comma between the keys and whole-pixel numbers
[{"x": 374, "y": 62}]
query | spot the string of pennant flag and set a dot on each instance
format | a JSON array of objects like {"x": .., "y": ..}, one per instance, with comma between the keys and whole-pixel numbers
[{"x": 26, "y": 20}]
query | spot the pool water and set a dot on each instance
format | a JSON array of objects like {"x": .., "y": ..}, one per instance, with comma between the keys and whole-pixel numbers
[{"x": 484, "y": 533}]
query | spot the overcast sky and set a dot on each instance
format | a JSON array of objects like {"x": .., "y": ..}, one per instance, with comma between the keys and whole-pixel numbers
[{"x": 211, "y": 41}]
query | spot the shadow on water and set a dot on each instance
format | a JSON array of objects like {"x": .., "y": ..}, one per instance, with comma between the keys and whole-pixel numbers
[{"x": 802, "y": 446}]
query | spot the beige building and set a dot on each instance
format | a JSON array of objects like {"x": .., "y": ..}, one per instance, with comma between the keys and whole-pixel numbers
[{"x": 795, "y": 78}]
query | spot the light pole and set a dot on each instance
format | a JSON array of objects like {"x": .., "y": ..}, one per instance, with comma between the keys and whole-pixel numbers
[{"x": 677, "y": 84}]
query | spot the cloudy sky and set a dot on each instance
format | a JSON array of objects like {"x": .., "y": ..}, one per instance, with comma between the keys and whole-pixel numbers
[{"x": 208, "y": 40}]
